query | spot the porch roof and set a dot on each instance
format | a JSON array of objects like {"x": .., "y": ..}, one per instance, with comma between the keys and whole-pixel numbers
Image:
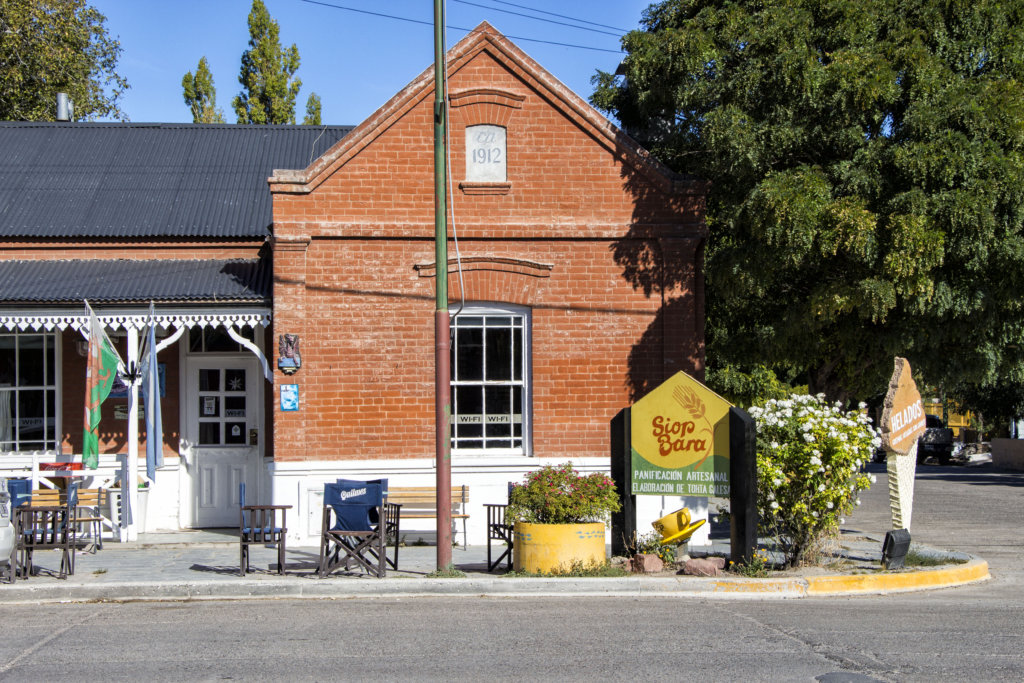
[{"x": 49, "y": 294}]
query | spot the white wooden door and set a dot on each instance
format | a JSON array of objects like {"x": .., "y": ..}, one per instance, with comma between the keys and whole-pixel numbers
[{"x": 223, "y": 405}]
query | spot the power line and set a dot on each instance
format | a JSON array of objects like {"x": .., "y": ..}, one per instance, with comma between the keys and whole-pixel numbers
[
  {"x": 456, "y": 28},
  {"x": 548, "y": 21},
  {"x": 560, "y": 16}
]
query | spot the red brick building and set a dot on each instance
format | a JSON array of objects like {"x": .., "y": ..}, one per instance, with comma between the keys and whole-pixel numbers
[
  {"x": 575, "y": 287},
  {"x": 580, "y": 272}
]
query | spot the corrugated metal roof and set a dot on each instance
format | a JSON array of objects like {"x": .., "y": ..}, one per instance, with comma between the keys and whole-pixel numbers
[
  {"x": 130, "y": 281},
  {"x": 128, "y": 180}
]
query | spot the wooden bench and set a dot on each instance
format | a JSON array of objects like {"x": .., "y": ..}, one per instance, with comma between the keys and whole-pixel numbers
[
  {"x": 91, "y": 503},
  {"x": 420, "y": 502}
]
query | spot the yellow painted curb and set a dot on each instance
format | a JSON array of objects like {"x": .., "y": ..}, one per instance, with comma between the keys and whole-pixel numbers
[
  {"x": 955, "y": 575},
  {"x": 794, "y": 587}
]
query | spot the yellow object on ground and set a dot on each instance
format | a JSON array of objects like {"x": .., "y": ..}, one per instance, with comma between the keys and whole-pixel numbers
[
  {"x": 676, "y": 527},
  {"x": 548, "y": 548}
]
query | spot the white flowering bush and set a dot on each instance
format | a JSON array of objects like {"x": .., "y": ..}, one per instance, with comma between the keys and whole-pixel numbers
[{"x": 809, "y": 458}]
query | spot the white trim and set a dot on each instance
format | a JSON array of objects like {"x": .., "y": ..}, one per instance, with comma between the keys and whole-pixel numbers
[{"x": 137, "y": 319}]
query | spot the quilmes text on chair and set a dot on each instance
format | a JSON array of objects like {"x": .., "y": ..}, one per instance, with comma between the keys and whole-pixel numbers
[{"x": 355, "y": 536}]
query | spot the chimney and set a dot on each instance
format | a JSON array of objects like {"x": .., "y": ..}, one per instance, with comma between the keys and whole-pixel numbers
[{"x": 65, "y": 108}]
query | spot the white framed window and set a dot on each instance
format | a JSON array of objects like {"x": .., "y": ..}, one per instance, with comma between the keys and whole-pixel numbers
[
  {"x": 217, "y": 340},
  {"x": 29, "y": 379},
  {"x": 490, "y": 363}
]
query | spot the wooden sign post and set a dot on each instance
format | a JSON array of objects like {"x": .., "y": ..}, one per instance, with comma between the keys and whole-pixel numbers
[{"x": 902, "y": 423}]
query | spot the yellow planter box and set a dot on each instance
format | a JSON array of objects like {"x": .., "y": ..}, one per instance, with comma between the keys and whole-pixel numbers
[{"x": 545, "y": 548}]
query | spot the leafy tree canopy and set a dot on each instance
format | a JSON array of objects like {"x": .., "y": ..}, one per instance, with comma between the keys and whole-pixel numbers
[
  {"x": 312, "y": 110},
  {"x": 201, "y": 95},
  {"x": 867, "y": 179},
  {"x": 52, "y": 46},
  {"x": 268, "y": 89}
]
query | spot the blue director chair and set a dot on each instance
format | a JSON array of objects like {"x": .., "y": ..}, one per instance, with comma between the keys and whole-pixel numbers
[{"x": 351, "y": 530}]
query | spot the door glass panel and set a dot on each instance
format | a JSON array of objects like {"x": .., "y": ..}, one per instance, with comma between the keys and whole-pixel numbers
[
  {"x": 223, "y": 406},
  {"x": 209, "y": 406},
  {"x": 209, "y": 433},
  {"x": 209, "y": 380},
  {"x": 234, "y": 406},
  {"x": 234, "y": 432},
  {"x": 234, "y": 380}
]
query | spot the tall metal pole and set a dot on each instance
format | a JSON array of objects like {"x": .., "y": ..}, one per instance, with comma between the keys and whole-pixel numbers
[{"x": 442, "y": 331}]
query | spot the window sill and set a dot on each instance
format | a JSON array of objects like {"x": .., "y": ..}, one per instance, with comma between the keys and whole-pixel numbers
[{"x": 485, "y": 188}]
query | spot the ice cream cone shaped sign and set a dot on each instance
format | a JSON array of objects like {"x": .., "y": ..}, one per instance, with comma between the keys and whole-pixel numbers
[{"x": 679, "y": 435}]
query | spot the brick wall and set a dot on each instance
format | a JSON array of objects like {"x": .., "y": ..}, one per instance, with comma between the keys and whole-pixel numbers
[{"x": 600, "y": 243}]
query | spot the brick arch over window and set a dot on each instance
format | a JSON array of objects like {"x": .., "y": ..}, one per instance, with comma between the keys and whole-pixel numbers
[
  {"x": 484, "y": 105},
  {"x": 488, "y": 278}
]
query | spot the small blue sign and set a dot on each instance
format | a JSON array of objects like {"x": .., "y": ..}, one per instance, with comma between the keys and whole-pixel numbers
[{"x": 289, "y": 397}]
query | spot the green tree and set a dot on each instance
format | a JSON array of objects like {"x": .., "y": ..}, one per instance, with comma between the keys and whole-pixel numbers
[
  {"x": 201, "y": 96},
  {"x": 312, "y": 111},
  {"x": 268, "y": 89},
  {"x": 867, "y": 179},
  {"x": 52, "y": 46}
]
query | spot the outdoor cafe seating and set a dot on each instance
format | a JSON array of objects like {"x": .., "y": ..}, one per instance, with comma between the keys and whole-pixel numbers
[
  {"x": 355, "y": 527},
  {"x": 46, "y": 527},
  {"x": 258, "y": 525}
]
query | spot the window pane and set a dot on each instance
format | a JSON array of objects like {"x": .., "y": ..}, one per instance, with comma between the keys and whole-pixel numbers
[
  {"x": 195, "y": 339},
  {"x": 209, "y": 406},
  {"x": 51, "y": 360},
  {"x": 470, "y": 355},
  {"x": 30, "y": 415},
  {"x": 498, "y": 400},
  {"x": 7, "y": 362},
  {"x": 209, "y": 380},
  {"x": 469, "y": 430},
  {"x": 499, "y": 353},
  {"x": 217, "y": 340},
  {"x": 234, "y": 432},
  {"x": 51, "y": 419},
  {"x": 517, "y": 353},
  {"x": 234, "y": 380},
  {"x": 234, "y": 406},
  {"x": 469, "y": 404},
  {"x": 209, "y": 433}
]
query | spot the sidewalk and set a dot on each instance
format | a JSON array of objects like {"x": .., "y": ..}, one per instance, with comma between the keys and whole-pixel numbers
[{"x": 203, "y": 565}]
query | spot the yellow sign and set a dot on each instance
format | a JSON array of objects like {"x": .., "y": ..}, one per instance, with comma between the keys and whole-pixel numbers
[{"x": 680, "y": 440}]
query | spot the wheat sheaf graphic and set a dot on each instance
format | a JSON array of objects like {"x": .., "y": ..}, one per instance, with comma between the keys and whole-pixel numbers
[{"x": 685, "y": 397}]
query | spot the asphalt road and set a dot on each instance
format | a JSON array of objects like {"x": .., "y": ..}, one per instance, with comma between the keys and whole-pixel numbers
[{"x": 972, "y": 633}]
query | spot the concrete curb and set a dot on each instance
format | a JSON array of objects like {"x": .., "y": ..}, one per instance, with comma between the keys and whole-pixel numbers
[{"x": 270, "y": 588}]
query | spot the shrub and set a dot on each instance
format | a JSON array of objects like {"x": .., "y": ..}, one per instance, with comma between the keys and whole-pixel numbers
[
  {"x": 560, "y": 495},
  {"x": 809, "y": 457}
]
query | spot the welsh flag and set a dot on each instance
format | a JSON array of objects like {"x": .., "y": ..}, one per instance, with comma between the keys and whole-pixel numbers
[{"x": 103, "y": 367}]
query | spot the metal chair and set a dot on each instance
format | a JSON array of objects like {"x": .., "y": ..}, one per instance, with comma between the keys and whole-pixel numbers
[
  {"x": 356, "y": 535},
  {"x": 257, "y": 524}
]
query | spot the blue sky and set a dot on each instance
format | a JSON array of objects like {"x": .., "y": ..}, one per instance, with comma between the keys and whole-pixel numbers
[{"x": 353, "y": 60}]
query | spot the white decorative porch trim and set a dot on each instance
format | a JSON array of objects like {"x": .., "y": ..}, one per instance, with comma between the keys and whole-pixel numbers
[{"x": 135, "y": 319}]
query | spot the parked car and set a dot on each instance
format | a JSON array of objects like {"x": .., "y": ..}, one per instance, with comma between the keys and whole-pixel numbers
[{"x": 937, "y": 441}]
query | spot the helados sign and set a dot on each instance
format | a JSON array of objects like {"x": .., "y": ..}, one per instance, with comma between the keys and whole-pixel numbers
[{"x": 679, "y": 437}]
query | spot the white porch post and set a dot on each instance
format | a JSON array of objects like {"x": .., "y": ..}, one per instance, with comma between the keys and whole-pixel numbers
[{"x": 131, "y": 487}]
